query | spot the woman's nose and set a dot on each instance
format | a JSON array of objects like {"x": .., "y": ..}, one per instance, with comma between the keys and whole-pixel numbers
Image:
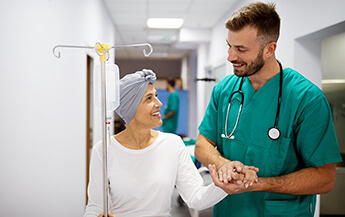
[{"x": 158, "y": 103}]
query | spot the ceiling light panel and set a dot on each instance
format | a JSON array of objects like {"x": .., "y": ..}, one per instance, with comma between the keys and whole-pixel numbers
[{"x": 164, "y": 23}]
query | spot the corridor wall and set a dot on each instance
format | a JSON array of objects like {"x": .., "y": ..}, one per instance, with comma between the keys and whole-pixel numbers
[{"x": 43, "y": 103}]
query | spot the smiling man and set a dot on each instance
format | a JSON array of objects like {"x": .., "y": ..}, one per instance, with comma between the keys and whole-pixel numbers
[{"x": 269, "y": 117}]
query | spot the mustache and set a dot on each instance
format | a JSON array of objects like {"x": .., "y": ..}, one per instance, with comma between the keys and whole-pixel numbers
[{"x": 235, "y": 62}]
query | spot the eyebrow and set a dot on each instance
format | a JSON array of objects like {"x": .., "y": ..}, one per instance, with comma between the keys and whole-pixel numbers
[
  {"x": 237, "y": 46},
  {"x": 150, "y": 94}
]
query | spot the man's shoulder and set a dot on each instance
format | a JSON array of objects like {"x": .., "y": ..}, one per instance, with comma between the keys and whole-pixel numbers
[{"x": 297, "y": 82}]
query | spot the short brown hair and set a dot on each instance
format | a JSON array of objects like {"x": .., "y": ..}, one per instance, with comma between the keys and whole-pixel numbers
[{"x": 259, "y": 15}]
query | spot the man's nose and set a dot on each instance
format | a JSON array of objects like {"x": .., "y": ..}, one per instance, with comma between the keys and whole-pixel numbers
[{"x": 232, "y": 55}]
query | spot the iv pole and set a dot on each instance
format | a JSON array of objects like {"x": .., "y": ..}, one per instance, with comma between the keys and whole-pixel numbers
[{"x": 102, "y": 50}]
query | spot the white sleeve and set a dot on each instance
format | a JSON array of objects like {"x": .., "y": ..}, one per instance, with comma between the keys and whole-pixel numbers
[
  {"x": 95, "y": 188},
  {"x": 190, "y": 184}
]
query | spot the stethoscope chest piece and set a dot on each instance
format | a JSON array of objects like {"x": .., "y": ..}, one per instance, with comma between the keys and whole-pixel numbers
[{"x": 273, "y": 133}]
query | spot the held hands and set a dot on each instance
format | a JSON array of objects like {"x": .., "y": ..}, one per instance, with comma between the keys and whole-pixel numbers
[{"x": 234, "y": 177}]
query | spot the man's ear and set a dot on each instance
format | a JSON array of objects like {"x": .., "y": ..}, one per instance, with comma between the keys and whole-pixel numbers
[{"x": 270, "y": 49}]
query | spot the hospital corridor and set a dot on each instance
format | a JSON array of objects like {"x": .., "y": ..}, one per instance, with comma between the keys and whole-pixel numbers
[{"x": 181, "y": 108}]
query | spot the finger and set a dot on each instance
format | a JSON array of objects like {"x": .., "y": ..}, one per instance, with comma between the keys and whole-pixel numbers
[
  {"x": 225, "y": 177},
  {"x": 253, "y": 168},
  {"x": 239, "y": 179},
  {"x": 238, "y": 165},
  {"x": 110, "y": 214},
  {"x": 220, "y": 175},
  {"x": 235, "y": 176},
  {"x": 213, "y": 173},
  {"x": 230, "y": 171},
  {"x": 101, "y": 215},
  {"x": 239, "y": 176}
]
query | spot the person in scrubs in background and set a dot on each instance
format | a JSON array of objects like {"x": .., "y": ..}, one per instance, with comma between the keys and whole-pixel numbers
[
  {"x": 170, "y": 118},
  {"x": 145, "y": 165},
  {"x": 295, "y": 166}
]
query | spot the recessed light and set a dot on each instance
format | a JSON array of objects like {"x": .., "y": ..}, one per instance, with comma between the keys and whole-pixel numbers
[{"x": 164, "y": 23}]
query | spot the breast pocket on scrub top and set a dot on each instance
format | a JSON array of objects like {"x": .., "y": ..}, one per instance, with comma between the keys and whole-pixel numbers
[{"x": 282, "y": 156}]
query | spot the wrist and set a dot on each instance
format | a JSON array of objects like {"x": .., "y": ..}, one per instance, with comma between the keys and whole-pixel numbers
[
  {"x": 260, "y": 185},
  {"x": 221, "y": 161}
]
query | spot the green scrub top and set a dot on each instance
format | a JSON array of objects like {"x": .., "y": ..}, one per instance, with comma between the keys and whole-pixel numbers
[
  {"x": 170, "y": 125},
  {"x": 307, "y": 139}
]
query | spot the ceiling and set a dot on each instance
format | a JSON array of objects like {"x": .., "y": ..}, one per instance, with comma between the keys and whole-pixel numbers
[{"x": 129, "y": 18}]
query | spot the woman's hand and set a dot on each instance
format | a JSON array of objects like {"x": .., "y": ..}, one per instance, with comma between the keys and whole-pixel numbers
[
  {"x": 110, "y": 214},
  {"x": 234, "y": 177},
  {"x": 229, "y": 187},
  {"x": 231, "y": 172},
  {"x": 250, "y": 176}
]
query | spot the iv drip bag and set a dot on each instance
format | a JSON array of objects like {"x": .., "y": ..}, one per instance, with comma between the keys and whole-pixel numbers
[{"x": 112, "y": 87}]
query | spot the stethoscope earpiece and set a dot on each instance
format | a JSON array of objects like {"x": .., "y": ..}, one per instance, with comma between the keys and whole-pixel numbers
[{"x": 228, "y": 137}]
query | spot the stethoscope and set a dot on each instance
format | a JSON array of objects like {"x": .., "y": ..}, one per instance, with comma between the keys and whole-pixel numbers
[{"x": 273, "y": 133}]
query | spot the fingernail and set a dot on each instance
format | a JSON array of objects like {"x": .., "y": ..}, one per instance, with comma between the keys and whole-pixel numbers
[
  {"x": 246, "y": 185},
  {"x": 251, "y": 183}
]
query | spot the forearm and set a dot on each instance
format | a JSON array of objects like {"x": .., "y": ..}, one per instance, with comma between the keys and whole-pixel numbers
[
  {"x": 312, "y": 180},
  {"x": 206, "y": 153},
  {"x": 206, "y": 197},
  {"x": 169, "y": 115},
  {"x": 317, "y": 180}
]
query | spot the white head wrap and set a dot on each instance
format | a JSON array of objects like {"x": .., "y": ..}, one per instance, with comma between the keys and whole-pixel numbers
[{"x": 132, "y": 89}]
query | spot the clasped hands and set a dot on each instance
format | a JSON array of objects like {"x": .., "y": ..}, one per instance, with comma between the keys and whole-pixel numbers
[{"x": 234, "y": 177}]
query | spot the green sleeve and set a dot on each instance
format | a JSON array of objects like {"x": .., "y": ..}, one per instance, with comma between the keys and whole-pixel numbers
[{"x": 316, "y": 140}]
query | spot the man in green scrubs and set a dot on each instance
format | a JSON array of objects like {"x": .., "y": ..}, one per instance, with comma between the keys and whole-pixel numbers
[
  {"x": 170, "y": 118},
  {"x": 292, "y": 168}
]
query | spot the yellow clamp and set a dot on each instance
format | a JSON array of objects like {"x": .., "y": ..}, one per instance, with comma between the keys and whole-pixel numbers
[{"x": 101, "y": 48}]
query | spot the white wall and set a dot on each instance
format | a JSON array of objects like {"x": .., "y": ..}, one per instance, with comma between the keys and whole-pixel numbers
[
  {"x": 192, "y": 97},
  {"x": 333, "y": 56},
  {"x": 43, "y": 104}
]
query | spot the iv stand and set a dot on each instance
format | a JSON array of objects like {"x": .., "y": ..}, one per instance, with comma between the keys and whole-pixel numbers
[{"x": 102, "y": 50}]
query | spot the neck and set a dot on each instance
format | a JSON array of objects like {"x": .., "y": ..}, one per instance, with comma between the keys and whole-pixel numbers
[
  {"x": 135, "y": 137},
  {"x": 268, "y": 71},
  {"x": 171, "y": 89}
]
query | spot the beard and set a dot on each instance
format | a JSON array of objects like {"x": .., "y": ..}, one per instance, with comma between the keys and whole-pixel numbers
[{"x": 252, "y": 68}]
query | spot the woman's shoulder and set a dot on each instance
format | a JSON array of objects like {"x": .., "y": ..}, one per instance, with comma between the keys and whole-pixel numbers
[{"x": 170, "y": 138}]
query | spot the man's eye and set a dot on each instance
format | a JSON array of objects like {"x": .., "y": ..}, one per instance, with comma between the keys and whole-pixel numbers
[{"x": 240, "y": 49}]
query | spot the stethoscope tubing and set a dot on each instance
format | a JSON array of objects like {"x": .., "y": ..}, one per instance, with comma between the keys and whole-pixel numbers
[{"x": 273, "y": 133}]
